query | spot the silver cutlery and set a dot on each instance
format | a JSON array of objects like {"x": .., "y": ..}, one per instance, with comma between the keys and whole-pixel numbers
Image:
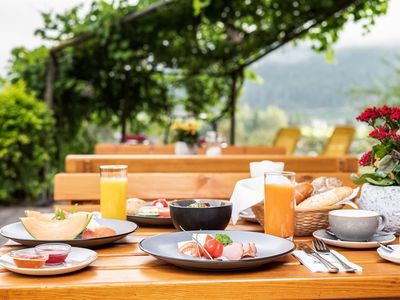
[
  {"x": 386, "y": 247},
  {"x": 320, "y": 246},
  {"x": 331, "y": 268}
]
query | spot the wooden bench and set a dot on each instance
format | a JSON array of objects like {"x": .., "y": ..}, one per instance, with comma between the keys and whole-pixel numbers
[
  {"x": 199, "y": 163},
  {"x": 84, "y": 188},
  {"x": 170, "y": 149}
]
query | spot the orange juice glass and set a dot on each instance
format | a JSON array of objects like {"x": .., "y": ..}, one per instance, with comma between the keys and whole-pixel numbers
[
  {"x": 113, "y": 191},
  {"x": 279, "y": 204}
]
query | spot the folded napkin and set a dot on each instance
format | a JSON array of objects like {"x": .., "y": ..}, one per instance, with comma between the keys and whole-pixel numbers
[
  {"x": 314, "y": 265},
  {"x": 249, "y": 192}
]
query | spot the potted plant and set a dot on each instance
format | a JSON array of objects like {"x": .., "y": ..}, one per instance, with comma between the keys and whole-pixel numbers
[
  {"x": 185, "y": 137},
  {"x": 380, "y": 172}
]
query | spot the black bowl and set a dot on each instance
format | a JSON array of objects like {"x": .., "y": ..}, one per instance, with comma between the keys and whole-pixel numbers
[{"x": 215, "y": 217}]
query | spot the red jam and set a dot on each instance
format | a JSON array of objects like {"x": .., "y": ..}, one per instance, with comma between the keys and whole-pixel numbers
[
  {"x": 57, "y": 253},
  {"x": 55, "y": 257}
]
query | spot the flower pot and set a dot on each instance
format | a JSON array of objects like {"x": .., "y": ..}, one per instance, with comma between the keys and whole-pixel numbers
[
  {"x": 182, "y": 148},
  {"x": 384, "y": 200}
]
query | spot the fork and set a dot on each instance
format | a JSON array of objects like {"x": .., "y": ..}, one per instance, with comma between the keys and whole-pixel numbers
[{"x": 320, "y": 246}]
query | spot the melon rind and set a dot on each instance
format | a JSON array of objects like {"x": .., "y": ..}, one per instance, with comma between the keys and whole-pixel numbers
[{"x": 67, "y": 229}]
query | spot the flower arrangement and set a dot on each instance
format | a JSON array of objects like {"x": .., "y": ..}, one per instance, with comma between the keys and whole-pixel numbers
[
  {"x": 186, "y": 132},
  {"x": 381, "y": 165}
]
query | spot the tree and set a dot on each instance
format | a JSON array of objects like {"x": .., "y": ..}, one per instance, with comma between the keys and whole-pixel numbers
[{"x": 114, "y": 68}]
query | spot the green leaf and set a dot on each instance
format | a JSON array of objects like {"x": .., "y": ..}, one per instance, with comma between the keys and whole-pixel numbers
[
  {"x": 224, "y": 239},
  {"x": 379, "y": 150},
  {"x": 198, "y": 5},
  {"x": 380, "y": 182}
]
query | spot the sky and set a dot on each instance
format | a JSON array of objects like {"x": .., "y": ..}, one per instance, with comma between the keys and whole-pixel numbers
[{"x": 19, "y": 19}]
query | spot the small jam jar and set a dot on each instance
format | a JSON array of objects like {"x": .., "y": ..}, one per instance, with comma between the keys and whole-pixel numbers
[
  {"x": 57, "y": 252},
  {"x": 27, "y": 258}
]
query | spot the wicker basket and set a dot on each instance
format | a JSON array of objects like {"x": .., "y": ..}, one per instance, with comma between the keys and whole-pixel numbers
[{"x": 306, "y": 221}]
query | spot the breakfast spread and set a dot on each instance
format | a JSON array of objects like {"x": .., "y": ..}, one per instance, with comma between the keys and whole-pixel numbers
[
  {"x": 63, "y": 226},
  {"x": 218, "y": 247}
]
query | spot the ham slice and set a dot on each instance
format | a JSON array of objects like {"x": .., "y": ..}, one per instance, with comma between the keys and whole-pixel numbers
[
  {"x": 249, "y": 250},
  {"x": 233, "y": 251}
]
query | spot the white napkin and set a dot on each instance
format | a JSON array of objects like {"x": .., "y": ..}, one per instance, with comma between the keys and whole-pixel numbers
[
  {"x": 348, "y": 199},
  {"x": 249, "y": 192},
  {"x": 314, "y": 265}
]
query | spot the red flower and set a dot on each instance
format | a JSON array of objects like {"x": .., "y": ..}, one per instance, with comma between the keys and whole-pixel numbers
[
  {"x": 369, "y": 114},
  {"x": 395, "y": 114},
  {"x": 384, "y": 111},
  {"x": 366, "y": 159},
  {"x": 379, "y": 133}
]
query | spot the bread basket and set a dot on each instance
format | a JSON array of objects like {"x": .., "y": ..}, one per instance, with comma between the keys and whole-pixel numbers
[{"x": 306, "y": 221}]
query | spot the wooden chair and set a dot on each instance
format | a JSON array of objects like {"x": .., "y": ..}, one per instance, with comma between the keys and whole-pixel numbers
[
  {"x": 84, "y": 188},
  {"x": 287, "y": 138},
  {"x": 204, "y": 164},
  {"x": 340, "y": 141}
]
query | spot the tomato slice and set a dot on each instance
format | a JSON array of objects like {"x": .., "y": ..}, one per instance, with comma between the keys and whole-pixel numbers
[
  {"x": 214, "y": 248},
  {"x": 164, "y": 212}
]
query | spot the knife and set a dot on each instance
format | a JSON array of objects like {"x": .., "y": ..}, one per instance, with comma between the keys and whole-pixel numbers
[{"x": 331, "y": 268}]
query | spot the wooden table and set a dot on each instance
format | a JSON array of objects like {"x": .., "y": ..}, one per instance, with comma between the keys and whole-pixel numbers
[{"x": 124, "y": 272}]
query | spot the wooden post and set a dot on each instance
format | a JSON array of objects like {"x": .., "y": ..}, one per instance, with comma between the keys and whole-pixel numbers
[
  {"x": 233, "y": 108},
  {"x": 50, "y": 78}
]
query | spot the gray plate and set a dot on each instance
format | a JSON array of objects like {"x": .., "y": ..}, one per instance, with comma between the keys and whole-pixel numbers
[
  {"x": 17, "y": 233},
  {"x": 150, "y": 221},
  {"x": 248, "y": 215},
  {"x": 165, "y": 247},
  {"x": 334, "y": 241}
]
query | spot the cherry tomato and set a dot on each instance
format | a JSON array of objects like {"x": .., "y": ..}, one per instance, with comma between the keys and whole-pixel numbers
[
  {"x": 214, "y": 248},
  {"x": 202, "y": 253},
  {"x": 160, "y": 203},
  {"x": 164, "y": 212}
]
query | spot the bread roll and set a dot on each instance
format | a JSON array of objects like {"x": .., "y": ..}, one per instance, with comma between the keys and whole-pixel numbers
[
  {"x": 302, "y": 191},
  {"x": 133, "y": 205},
  {"x": 323, "y": 183},
  {"x": 325, "y": 199}
]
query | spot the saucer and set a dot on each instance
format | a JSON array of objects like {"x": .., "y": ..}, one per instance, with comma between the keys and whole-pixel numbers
[
  {"x": 77, "y": 259},
  {"x": 372, "y": 243},
  {"x": 248, "y": 215},
  {"x": 390, "y": 256}
]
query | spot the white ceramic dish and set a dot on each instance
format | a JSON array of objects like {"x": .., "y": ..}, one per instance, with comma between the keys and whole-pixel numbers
[
  {"x": 373, "y": 243},
  {"x": 248, "y": 215},
  {"x": 77, "y": 259},
  {"x": 390, "y": 256},
  {"x": 18, "y": 233}
]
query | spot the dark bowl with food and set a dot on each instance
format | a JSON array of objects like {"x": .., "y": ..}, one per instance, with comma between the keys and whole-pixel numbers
[{"x": 200, "y": 214}]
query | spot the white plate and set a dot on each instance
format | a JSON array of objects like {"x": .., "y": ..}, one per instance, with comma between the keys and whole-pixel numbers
[
  {"x": 373, "y": 243},
  {"x": 390, "y": 256},
  {"x": 248, "y": 215},
  {"x": 77, "y": 259},
  {"x": 18, "y": 233}
]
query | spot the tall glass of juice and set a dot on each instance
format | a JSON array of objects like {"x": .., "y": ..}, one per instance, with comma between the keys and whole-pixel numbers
[
  {"x": 279, "y": 205},
  {"x": 113, "y": 191}
]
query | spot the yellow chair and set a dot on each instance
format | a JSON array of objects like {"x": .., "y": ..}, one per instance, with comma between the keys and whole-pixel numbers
[
  {"x": 287, "y": 138},
  {"x": 340, "y": 141}
]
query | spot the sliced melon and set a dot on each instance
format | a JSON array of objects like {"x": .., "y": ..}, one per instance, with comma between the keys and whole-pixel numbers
[
  {"x": 38, "y": 215},
  {"x": 67, "y": 229}
]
